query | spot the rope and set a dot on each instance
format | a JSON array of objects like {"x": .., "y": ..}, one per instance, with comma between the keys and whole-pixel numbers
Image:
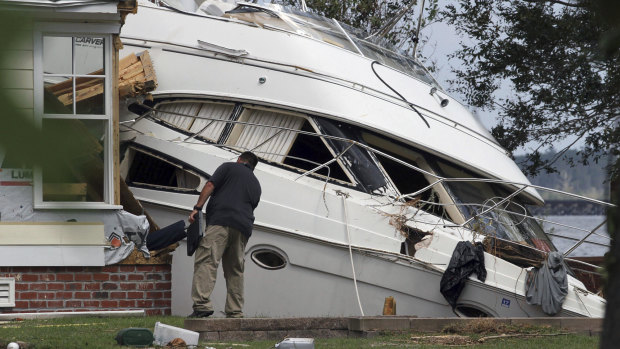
[{"x": 346, "y": 224}]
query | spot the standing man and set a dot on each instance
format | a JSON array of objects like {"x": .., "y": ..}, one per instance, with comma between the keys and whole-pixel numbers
[{"x": 235, "y": 193}]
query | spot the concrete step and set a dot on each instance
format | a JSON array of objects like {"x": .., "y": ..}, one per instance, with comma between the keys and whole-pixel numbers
[{"x": 215, "y": 329}]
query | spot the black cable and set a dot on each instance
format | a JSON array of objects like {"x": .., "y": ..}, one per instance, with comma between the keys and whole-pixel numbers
[{"x": 372, "y": 66}]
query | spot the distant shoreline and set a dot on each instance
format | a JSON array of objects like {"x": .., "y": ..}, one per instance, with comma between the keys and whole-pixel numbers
[{"x": 568, "y": 208}]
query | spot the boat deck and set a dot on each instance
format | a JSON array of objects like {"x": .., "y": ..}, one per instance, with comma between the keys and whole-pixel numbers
[{"x": 214, "y": 329}]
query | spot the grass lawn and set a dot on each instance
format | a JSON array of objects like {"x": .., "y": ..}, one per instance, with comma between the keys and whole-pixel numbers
[{"x": 94, "y": 332}]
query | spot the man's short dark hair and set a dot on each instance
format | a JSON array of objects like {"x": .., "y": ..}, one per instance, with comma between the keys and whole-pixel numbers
[{"x": 250, "y": 158}]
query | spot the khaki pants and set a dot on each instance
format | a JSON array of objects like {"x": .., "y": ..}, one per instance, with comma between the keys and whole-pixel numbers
[{"x": 226, "y": 244}]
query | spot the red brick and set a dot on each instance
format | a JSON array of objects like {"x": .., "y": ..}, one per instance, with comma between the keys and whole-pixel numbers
[
  {"x": 126, "y": 303},
  {"x": 128, "y": 286},
  {"x": 55, "y": 286},
  {"x": 163, "y": 285},
  {"x": 91, "y": 303},
  {"x": 93, "y": 286},
  {"x": 110, "y": 269},
  {"x": 20, "y": 286},
  {"x": 74, "y": 286},
  {"x": 64, "y": 277},
  {"x": 48, "y": 277},
  {"x": 144, "y": 268},
  {"x": 109, "y": 286},
  {"x": 82, "y": 295},
  {"x": 37, "y": 304},
  {"x": 101, "y": 295},
  {"x": 152, "y": 276},
  {"x": 144, "y": 303},
  {"x": 46, "y": 295},
  {"x": 38, "y": 287},
  {"x": 127, "y": 268},
  {"x": 83, "y": 277},
  {"x": 109, "y": 304},
  {"x": 26, "y": 295},
  {"x": 162, "y": 267},
  {"x": 73, "y": 304},
  {"x": 115, "y": 277},
  {"x": 154, "y": 295},
  {"x": 64, "y": 295},
  {"x": 30, "y": 277},
  {"x": 146, "y": 286},
  {"x": 135, "y": 295},
  {"x": 162, "y": 303},
  {"x": 135, "y": 277},
  {"x": 101, "y": 277},
  {"x": 168, "y": 277},
  {"x": 118, "y": 295},
  {"x": 55, "y": 304},
  {"x": 21, "y": 304}
]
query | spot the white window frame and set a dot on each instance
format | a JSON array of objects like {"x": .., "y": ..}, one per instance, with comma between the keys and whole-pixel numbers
[{"x": 72, "y": 30}]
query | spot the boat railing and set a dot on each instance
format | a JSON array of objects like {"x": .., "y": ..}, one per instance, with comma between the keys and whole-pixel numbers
[{"x": 402, "y": 198}]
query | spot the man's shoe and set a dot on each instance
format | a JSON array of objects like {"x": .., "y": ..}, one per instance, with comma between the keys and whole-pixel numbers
[{"x": 200, "y": 314}]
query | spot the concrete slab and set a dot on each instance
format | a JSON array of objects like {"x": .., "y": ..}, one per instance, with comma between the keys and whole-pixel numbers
[
  {"x": 371, "y": 323},
  {"x": 365, "y": 327}
]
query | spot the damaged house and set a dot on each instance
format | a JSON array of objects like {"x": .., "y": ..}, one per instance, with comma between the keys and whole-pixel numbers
[{"x": 68, "y": 241}]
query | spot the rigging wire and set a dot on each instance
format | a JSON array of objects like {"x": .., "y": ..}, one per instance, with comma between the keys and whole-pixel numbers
[
  {"x": 346, "y": 224},
  {"x": 372, "y": 66}
]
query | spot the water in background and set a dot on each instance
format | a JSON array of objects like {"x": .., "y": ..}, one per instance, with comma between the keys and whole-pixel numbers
[{"x": 583, "y": 222}]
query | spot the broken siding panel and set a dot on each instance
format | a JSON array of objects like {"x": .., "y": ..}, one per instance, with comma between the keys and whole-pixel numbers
[
  {"x": 207, "y": 127},
  {"x": 36, "y": 256},
  {"x": 270, "y": 143}
]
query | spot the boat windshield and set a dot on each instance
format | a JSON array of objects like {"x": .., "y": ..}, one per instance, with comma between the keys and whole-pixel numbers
[
  {"x": 332, "y": 32},
  {"x": 510, "y": 220}
]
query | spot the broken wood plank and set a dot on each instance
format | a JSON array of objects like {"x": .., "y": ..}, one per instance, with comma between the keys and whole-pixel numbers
[{"x": 136, "y": 77}]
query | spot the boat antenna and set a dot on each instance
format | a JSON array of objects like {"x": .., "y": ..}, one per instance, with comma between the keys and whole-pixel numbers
[
  {"x": 416, "y": 39},
  {"x": 392, "y": 22}
]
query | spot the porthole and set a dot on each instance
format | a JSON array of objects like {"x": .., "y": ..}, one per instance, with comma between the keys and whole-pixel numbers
[
  {"x": 268, "y": 259},
  {"x": 469, "y": 311}
]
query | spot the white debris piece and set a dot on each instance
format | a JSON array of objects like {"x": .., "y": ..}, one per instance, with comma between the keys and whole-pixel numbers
[{"x": 165, "y": 333}]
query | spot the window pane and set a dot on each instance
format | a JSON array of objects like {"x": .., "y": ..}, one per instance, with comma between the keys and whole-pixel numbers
[
  {"x": 89, "y": 53},
  {"x": 79, "y": 175},
  {"x": 90, "y": 96},
  {"x": 58, "y": 95},
  {"x": 57, "y": 55}
]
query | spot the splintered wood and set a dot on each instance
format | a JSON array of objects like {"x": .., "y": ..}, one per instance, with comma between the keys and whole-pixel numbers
[{"x": 136, "y": 77}]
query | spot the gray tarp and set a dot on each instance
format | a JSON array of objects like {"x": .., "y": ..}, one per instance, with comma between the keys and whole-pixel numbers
[{"x": 548, "y": 285}]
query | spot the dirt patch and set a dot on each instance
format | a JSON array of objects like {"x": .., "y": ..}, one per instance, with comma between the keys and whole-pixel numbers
[{"x": 451, "y": 339}]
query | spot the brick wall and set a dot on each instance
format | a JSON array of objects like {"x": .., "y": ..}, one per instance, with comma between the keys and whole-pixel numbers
[{"x": 115, "y": 287}]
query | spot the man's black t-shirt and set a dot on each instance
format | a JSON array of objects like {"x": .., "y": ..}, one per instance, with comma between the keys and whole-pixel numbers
[{"x": 235, "y": 195}]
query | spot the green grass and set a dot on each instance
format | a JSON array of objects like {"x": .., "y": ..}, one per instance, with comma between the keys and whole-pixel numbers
[{"x": 93, "y": 332}]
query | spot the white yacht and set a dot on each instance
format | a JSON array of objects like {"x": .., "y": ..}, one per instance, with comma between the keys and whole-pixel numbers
[{"x": 371, "y": 172}]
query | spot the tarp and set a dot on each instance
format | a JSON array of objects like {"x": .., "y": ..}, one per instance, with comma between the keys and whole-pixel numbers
[
  {"x": 547, "y": 286},
  {"x": 467, "y": 259}
]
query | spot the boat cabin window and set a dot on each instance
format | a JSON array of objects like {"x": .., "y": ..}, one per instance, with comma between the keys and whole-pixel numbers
[
  {"x": 274, "y": 136},
  {"x": 282, "y": 137},
  {"x": 507, "y": 221},
  {"x": 406, "y": 179},
  {"x": 259, "y": 16},
  {"x": 148, "y": 170},
  {"x": 200, "y": 119}
]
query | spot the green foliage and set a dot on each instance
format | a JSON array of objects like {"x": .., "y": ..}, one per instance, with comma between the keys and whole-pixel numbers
[{"x": 546, "y": 53}]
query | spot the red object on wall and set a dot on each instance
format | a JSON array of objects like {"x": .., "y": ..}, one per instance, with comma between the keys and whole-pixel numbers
[{"x": 114, "y": 287}]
